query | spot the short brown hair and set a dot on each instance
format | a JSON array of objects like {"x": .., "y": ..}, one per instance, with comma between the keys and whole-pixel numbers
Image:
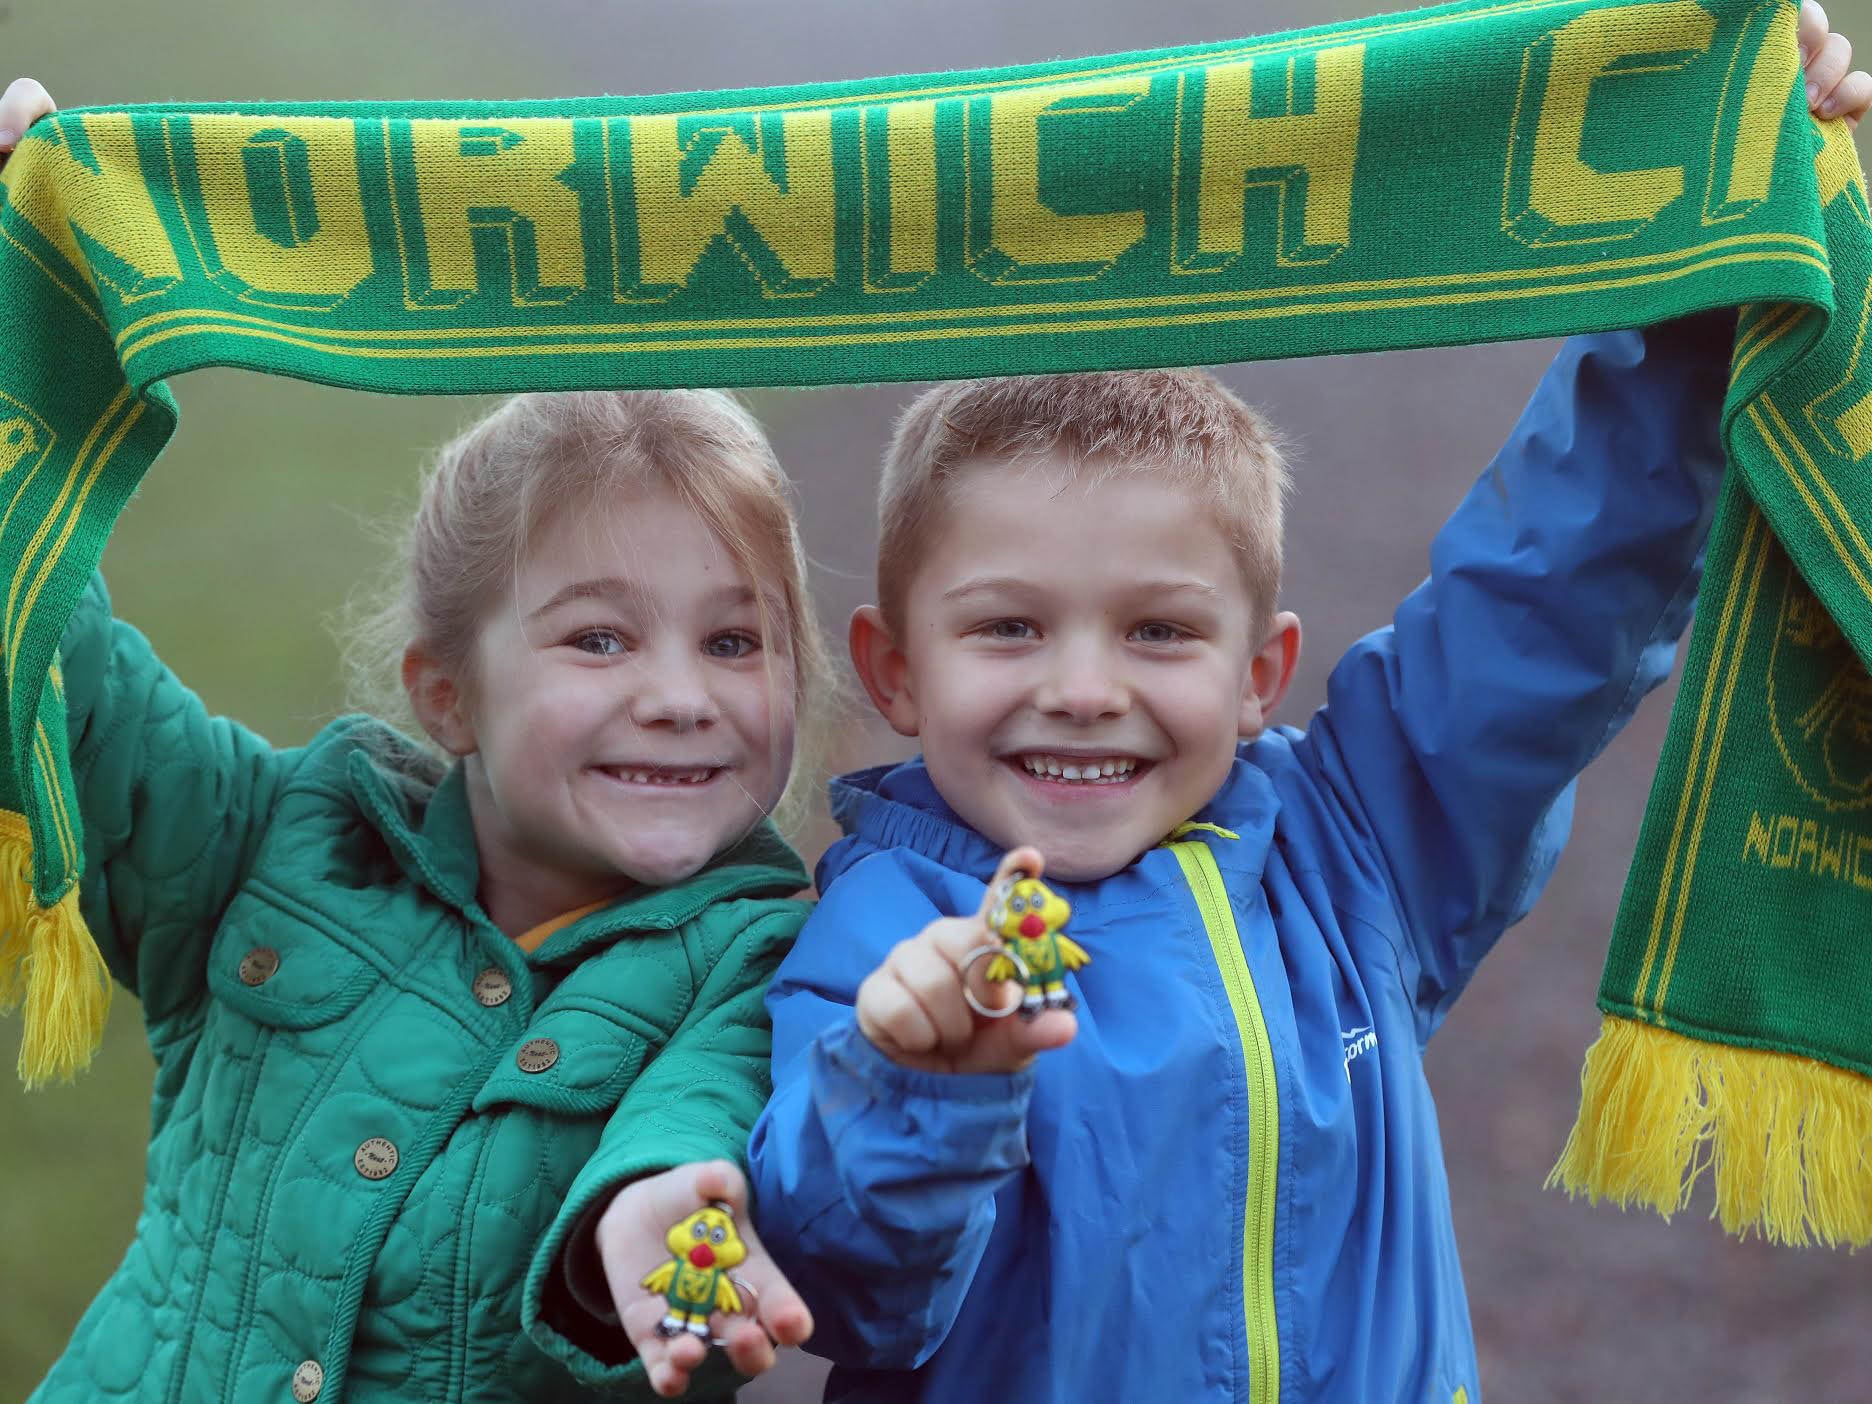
[{"x": 1182, "y": 425}]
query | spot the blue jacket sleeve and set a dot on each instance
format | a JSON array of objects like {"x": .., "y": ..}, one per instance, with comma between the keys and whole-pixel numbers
[
  {"x": 1556, "y": 596},
  {"x": 874, "y": 1184}
]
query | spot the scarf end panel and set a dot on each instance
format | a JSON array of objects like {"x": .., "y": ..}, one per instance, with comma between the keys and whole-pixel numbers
[
  {"x": 50, "y": 964},
  {"x": 1786, "y": 1140}
]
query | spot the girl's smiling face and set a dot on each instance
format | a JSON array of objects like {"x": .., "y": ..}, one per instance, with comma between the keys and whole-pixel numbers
[{"x": 629, "y": 713}]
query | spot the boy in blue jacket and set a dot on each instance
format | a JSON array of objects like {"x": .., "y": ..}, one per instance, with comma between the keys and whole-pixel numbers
[
  {"x": 1227, "y": 1167},
  {"x": 1222, "y": 1177}
]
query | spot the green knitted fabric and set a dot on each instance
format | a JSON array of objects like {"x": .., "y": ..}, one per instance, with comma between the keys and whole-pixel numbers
[{"x": 1478, "y": 171}]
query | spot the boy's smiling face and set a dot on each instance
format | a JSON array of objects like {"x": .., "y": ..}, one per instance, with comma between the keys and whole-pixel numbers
[{"x": 1079, "y": 657}]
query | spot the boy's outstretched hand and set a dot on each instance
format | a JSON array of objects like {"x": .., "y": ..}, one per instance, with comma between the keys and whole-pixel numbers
[
  {"x": 1834, "y": 87},
  {"x": 631, "y": 1235},
  {"x": 914, "y": 1010}
]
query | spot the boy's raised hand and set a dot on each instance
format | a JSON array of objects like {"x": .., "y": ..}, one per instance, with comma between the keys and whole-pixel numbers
[
  {"x": 914, "y": 1010},
  {"x": 631, "y": 1235},
  {"x": 23, "y": 103},
  {"x": 1834, "y": 87}
]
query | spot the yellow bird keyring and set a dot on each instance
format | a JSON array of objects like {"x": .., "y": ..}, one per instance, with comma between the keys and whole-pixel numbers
[
  {"x": 1032, "y": 948},
  {"x": 696, "y": 1280}
]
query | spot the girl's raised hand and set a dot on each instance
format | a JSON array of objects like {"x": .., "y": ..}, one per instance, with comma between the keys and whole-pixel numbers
[
  {"x": 631, "y": 1236},
  {"x": 23, "y": 103},
  {"x": 1834, "y": 87}
]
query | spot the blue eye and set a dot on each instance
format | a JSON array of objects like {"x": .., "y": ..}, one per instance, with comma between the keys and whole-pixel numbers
[
  {"x": 603, "y": 642},
  {"x": 1158, "y": 633},
  {"x": 700, "y": 1230},
  {"x": 733, "y": 644},
  {"x": 1011, "y": 629}
]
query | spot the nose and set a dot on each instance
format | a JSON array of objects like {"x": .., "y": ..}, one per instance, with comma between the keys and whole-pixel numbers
[
  {"x": 668, "y": 690},
  {"x": 702, "y": 1255},
  {"x": 1031, "y": 926},
  {"x": 1085, "y": 684}
]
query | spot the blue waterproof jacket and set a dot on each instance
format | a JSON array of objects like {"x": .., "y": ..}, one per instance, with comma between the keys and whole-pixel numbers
[{"x": 1230, "y": 1186}]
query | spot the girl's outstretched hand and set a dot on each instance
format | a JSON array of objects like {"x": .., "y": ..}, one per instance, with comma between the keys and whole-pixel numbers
[
  {"x": 1834, "y": 87},
  {"x": 631, "y": 1236},
  {"x": 23, "y": 103}
]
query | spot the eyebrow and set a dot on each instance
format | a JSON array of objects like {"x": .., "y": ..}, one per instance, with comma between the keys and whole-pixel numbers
[
  {"x": 1010, "y": 584},
  {"x": 606, "y": 587},
  {"x": 987, "y": 585},
  {"x": 1179, "y": 587}
]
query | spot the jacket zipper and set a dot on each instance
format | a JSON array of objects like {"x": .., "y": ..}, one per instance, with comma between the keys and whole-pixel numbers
[{"x": 1206, "y": 885}]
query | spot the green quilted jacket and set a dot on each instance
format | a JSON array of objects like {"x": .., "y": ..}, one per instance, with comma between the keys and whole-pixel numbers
[{"x": 376, "y": 1120}]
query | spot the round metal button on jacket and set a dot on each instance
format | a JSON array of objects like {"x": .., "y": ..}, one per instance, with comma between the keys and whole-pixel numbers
[
  {"x": 258, "y": 965},
  {"x": 307, "y": 1381},
  {"x": 537, "y": 1055},
  {"x": 492, "y": 987},
  {"x": 375, "y": 1159}
]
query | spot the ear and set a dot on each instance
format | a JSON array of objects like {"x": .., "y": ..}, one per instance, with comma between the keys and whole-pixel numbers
[
  {"x": 438, "y": 700},
  {"x": 1269, "y": 674},
  {"x": 883, "y": 669}
]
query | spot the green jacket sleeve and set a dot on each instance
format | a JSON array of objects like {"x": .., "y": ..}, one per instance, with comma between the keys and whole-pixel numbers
[
  {"x": 173, "y": 802},
  {"x": 697, "y": 1100}
]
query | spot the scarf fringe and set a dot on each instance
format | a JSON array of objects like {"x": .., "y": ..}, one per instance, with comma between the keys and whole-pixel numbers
[
  {"x": 1787, "y": 1140},
  {"x": 50, "y": 964}
]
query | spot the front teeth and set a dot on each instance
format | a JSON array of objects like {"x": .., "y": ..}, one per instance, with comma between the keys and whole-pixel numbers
[
  {"x": 1114, "y": 771},
  {"x": 667, "y": 777}
]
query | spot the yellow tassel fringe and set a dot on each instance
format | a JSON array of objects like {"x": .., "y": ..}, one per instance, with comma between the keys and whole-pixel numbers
[
  {"x": 1787, "y": 1140},
  {"x": 49, "y": 963}
]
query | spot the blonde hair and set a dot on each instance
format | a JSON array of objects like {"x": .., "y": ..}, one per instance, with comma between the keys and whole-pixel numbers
[
  {"x": 498, "y": 485},
  {"x": 1182, "y": 426}
]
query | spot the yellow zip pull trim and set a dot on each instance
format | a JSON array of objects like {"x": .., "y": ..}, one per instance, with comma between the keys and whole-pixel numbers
[
  {"x": 1192, "y": 826},
  {"x": 50, "y": 964},
  {"x": 1212, "y": 900}
]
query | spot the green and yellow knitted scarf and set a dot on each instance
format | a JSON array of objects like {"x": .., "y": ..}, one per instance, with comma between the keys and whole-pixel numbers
[{"x": 1515, "y": 168}]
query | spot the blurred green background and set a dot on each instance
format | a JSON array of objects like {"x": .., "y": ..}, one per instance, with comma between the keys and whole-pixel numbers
[{"x": 256, "y": 527}]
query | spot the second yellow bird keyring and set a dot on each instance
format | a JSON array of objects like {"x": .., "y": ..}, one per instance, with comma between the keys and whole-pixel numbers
[{"x": 695, "y": 1281}]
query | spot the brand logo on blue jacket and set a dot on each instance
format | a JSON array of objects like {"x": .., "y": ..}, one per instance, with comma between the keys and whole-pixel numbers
[{"x": 1357, "y": 1041}]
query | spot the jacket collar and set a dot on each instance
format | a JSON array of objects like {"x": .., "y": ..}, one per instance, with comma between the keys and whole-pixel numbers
[
  {"x": 896, "y": 806},
  {"x": 432, "y": 840}
]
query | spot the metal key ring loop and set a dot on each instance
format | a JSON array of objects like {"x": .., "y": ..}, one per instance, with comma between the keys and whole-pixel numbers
[
  {"x": 969, "y": 964},
  {"x": 750, "y": 1308}
]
